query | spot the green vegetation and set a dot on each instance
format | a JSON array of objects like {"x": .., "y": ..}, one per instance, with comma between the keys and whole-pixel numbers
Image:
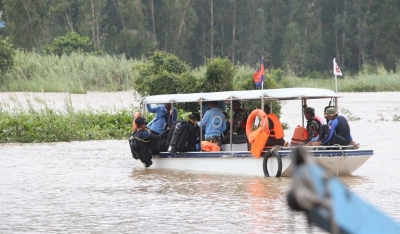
[
  {"x": 74, "y": 73},
  {"x": 6, "y": 57},
  {"x": 360, "y": 83},
  {"x": 163, "y": 73},
  {"x": 218, "y": 76},
  {"x": 71, "y": 42},
  {"x": 78, "y": 73},
  {"x": 301, "y": 38},
  {"x": 47, "y": 125},
  {"x": 101, "y": 45}
]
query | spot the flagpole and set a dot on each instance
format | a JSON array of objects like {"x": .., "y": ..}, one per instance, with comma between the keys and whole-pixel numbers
[
  {"x": 336, "y": 82},
  {"x": 262, "y": 83}
]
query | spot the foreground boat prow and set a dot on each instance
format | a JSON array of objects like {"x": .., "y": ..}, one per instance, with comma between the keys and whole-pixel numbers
[{"x": 329, "y": 204}]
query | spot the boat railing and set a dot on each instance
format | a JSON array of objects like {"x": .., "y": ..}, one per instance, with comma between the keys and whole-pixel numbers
[{"x": 322, "y": 147}]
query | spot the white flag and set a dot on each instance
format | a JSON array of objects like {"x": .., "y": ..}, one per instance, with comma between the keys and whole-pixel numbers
[{"x": 336, "y": 69}]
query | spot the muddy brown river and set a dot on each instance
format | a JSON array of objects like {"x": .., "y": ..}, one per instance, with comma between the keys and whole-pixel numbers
[{"x": 96, "y": 187}]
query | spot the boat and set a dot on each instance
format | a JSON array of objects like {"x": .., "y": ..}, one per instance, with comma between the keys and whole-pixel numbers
[
  {"x": 329, "y": 204},
  {"x": 236, "y": 158}
]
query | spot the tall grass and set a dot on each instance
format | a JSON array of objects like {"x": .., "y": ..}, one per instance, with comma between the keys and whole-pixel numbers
[
  {"x": 78, "y": 73},
  {"x": 75, "y": 73},
  {"x": 360, "y": 83}
]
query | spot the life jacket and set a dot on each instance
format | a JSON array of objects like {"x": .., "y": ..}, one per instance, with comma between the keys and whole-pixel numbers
[
  {"x": 278, "y": 129},
  {"x": 208, "y": 146},
  {"x": 320, "y": 122},
  {"x": 299, "y": 135}
]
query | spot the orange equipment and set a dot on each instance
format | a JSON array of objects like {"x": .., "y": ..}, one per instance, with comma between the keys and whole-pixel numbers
[{"x": 259, "y": 137}]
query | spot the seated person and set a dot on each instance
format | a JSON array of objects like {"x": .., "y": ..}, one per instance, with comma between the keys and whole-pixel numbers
[
  {"x": 144, "y": 143},
  {"x": 215, "y": 123},
  {"x": 239, "y": 118},
  {"x": 184, "y": 136},
  {"x": 313, "y": 123},
  {"x": 220, "y": 104},
  {"x": 275, "y": 127},
  {"x": 226, "y": 133},
  {"x": 337, "y": 132}
]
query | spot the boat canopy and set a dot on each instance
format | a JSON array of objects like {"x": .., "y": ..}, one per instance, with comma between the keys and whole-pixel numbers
[{"x": 266, "y": 94}]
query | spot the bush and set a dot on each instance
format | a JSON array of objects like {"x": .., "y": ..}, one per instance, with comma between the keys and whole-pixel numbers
[
  {"x": 278, "y": 75},
  {"x": 219, "y": 75},
  {"x": 6, "y": 56},
  {"x": 162, "y": 75},
  {"x": 71, "y": 42}
]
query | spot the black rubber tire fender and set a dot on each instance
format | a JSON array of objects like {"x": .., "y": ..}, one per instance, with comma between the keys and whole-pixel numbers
[{"x": 268, "y": 155}]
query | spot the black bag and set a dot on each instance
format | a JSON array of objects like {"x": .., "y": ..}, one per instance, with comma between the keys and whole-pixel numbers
[
  {"x": 134, "y": 148},
  {"x": 169, "y": 137},
  {"x": 184, "y": 138}
]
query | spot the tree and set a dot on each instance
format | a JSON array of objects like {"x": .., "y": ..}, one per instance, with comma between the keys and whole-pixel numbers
[
  {"x": 71, "y": 42},
  {"x": 7, "y": 53},
  {"x": 291, "y": 51},
  {"x": 219, "y": 75},
  {"x": 161, "y": 75}
]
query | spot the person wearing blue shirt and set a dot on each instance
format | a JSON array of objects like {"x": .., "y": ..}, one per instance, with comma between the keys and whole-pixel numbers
[
  {"x": 157, "y": 125},
  {"x": 220, "y": 104},
  {"x": 215, "y": 123}
]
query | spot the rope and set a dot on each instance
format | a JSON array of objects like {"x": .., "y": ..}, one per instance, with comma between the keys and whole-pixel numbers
[{"x": 343, "y": 156}]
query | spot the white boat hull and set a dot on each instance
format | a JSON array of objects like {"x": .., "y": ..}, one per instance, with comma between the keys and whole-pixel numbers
[{"x": 343, "y": 162}]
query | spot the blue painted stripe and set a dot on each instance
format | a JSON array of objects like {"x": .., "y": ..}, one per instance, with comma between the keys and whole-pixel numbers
[{"x": 245, "y": 154}]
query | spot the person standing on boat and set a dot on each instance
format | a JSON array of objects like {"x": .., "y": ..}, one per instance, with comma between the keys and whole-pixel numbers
[
  {"x": 338, "y": 130},
  {"x": 215, "y": 123},
  {"x": 158, "y": 124},
  {"x": 313, "y": 123},
  {"x": 239, "y": 118}
]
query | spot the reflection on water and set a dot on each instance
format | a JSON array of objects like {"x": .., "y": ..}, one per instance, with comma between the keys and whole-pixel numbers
[{"x": 94, "y": 187}]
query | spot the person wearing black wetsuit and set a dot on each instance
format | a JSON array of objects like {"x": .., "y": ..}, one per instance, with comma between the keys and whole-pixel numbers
[{"x": 337, "y": 132}]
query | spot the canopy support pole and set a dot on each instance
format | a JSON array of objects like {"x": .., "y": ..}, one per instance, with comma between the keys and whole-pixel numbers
[
  {"x": 230, "y": 122},
  {"x": 201, "y": 121},
  {"x": 262, "y": 103}
]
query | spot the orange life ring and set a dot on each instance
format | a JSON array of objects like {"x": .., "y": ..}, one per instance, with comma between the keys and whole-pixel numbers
[
  {"x": 137, "y": 114},
  {"x": 259, "y": 137},
  {"x": 263, "y": 121}
]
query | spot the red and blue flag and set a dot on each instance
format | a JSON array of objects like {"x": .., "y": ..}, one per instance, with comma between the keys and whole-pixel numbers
[{"x": 258, "y": 76}]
